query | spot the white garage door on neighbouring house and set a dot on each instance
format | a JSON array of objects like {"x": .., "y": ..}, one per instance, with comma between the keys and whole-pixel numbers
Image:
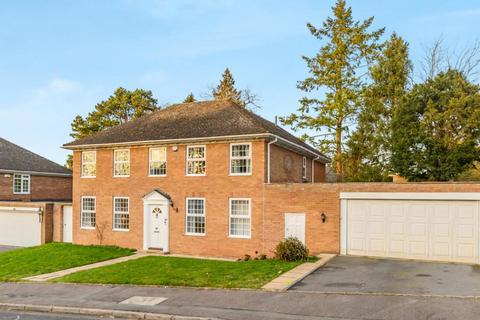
[
  {"x": 20, "y": 227},
  {"x": 423, "y": 226}
]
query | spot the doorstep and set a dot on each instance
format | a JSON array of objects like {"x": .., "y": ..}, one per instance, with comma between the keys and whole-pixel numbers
[{"x": 292, "y": 277}]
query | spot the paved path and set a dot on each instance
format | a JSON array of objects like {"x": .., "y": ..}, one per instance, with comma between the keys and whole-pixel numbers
[
  {"x": 62, "y": 273},
  {"x": 244, "y": 304},
  {"x": 290, "y": 278},
  {"x": 7, "y": 248}
]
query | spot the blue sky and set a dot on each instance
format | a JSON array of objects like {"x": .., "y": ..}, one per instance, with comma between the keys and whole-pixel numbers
[{"x": 59, "y": 58}]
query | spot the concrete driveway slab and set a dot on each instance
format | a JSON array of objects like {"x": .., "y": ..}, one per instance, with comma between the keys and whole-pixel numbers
[
  {"x": 346, "y": 274},
  {"x": 7, "y": 248}
]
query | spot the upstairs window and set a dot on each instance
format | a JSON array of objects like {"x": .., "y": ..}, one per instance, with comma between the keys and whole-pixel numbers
[
  {"x": 196, "y": 160},
  {"x": 195, "y": 216},
  {"x": 121, "y": 163},
  {"x": 89, "y": 166},
  {"x": 21, "y": 183},
  {"x": 157, "y": 162},
  {"x": 240, "y": 159},
  {"x": 304, "y": 167}
]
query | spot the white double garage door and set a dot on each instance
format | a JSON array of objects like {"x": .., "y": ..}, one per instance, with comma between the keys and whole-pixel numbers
[{"x": 422, "y": 226}]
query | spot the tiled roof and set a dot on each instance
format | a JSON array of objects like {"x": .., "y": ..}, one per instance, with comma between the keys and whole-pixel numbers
[
  {"x": 16, "y": 158},
  {"x": 196, "y": 120}
]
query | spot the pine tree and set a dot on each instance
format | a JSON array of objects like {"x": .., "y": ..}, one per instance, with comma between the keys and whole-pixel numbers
[
  {"x": 190, "y": 98},
  {"x": 226, "y": 89},
  {"x": 369, "y": 147},
  {"x": 336, "y": 70},
  {"x": 122, "y": 106}
]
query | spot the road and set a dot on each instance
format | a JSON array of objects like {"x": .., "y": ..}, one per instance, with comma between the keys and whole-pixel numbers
[{"x": 6, "y": 315}]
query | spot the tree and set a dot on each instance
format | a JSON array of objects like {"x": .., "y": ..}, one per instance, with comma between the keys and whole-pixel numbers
[
  {"x": 369, "y": 147},
  {"x": 226, "y": 90},
  {"x": 336, "y": 69},
  {"x": 122, "y": 106},
  {"x": 190, "y": 98},
  {"x": 435, "y": 132}
]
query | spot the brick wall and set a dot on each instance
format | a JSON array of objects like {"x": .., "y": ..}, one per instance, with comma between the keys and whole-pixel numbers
[
  {"x": 217, "y": 187},
  {"x": 41, "y": 188},
  {"x": 313, "y": 199}
]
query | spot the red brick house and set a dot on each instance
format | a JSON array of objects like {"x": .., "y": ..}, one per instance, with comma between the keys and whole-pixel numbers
[
  {"x": 186, "y": 179},
  {"x": 33, "y": 193}
]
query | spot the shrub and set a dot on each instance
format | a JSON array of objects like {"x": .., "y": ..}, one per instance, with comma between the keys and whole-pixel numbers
[
  {"x": 247, "y": 257},
  {"x": 291, "y": 249}
]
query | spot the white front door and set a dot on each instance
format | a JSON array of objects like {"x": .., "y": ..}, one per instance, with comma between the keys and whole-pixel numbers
[
  {"x": 295, "y": 226},
  {"x": 67, "y": 224},
  {"x": 157, "y": 226}
]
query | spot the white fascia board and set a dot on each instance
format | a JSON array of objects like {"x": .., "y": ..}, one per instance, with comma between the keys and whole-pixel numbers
[{"x": 411, "y": 195}]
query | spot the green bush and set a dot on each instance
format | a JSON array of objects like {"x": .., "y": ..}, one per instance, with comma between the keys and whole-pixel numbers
[{"x": 291, "y": 249}]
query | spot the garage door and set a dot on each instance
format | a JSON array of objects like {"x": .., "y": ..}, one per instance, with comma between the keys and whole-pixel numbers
[
  {"x": 19, "y": 227},
  {"x": 442, "y": 230}
]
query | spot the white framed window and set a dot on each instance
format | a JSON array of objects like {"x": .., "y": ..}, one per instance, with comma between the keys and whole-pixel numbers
[
  {"x": 88, "y": 213},
  {"x": 240, "y": 212},
  {"x": 89, "y": 164},
  {"x": 240, "y": 159},
  {"x": 196, "y": 160},
  {"x": 157, "y": 161},
  {"x": 121, "y": 163},
  {"x": 304, "y": 167},
  {"x": 21, "y": 183},
  {"x": 121, "y": 213},
  {"x": 195, "y": 216}
]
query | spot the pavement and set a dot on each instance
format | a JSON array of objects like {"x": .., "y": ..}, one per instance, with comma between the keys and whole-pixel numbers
[
  {"x": 7, "y": 248},
  {"x": 347, "y": 274},
  {"x": 245, "y": 304}
]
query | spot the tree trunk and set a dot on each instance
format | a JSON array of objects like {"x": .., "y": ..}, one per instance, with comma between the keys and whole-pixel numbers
[{"x": 338, "y": 152}]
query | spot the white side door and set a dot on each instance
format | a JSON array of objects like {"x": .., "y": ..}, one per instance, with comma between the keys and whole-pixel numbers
[
  {"x": 295, "y": 226},
  {"x": 67, "y": 224}
]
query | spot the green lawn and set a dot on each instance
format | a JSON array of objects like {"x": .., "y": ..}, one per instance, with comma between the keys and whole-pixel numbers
[
  {"x": 172, "y": 271},
  {"x": 21, "y": 263}
]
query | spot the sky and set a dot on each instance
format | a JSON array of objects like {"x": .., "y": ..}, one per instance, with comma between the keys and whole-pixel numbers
[{"x": 59, "y": 58}]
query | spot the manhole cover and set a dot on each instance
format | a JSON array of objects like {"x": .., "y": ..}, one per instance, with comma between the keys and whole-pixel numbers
[{"x": 144, "y": 301}]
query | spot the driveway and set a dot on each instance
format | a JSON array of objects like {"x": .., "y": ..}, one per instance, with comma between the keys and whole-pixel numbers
[
  {"x": 7, "y": 248},
  {"x": 346, "y": 274}
]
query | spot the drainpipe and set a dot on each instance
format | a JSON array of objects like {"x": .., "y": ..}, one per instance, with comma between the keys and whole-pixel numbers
[
  {"x": 313, "y": 168},
  {"x": 268, "y": 159}
]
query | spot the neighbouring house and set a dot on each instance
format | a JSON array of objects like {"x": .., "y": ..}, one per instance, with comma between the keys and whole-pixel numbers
[
  {"x": 34, "y": 193},
  {"x": 186, "y": 179},
  {"x": 214, "y": 179}
]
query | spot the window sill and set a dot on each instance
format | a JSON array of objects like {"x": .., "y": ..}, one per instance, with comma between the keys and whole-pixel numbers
[
  {"x": 24, "y": 193},
  {"x": 88, "y": 177},
  {"x": 196, "y": 175},
  {"x": 157, "y": 175},
  {"x": 121, "y": 230},
  {"x": 195, "y": 234},
  {"x": 87, "y": 228},
  {"x": 240, "y": 174},
  {"x": 240, "y": 237},
  {"x": 122, "y": 176}
]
